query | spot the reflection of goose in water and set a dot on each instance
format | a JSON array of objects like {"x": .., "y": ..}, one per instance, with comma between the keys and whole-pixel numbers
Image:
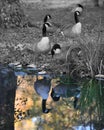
[
  {"x": 42, "y": 88},
  {"x": 64, "y": 90}
]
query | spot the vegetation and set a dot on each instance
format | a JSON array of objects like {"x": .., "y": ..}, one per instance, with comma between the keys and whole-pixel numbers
[
  {"x": 88, "y": 62},
  {"x": 92, "y": 98},
  {"x": 85, "y": 57}
]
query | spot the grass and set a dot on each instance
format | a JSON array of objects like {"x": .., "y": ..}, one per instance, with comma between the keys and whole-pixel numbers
[
  {"x": 84, "y": 54},
  {"x": 91, "y": 100},
  {"x": 90, "y": 43}
]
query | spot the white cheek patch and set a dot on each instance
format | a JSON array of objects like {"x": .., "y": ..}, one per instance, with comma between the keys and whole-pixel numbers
[
  {"x": 57, "y": 51},
  {"x": 48, "y": 17},
  {"x": 46, "y": 25},
  {"x": 62, "y": 33},
  {"x": 78, "y": 9},
  {"x": 49, "y": 24},
  {"x": 78, "y": 13}
]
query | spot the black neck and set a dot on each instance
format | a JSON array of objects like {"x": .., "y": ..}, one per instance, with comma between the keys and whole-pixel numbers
[
  {"x": 52, "y": 53},
  {"x": 44, "y": 31},
  {"x": 43, "y": 105},
  {"x": 37, "y": 76},
  {"x": 76, "y": 16},
  {"x": 45, "y": 19}
]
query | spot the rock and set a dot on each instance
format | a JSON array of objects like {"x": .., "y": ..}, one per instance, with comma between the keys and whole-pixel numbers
[{"x": 8, "y": 85}]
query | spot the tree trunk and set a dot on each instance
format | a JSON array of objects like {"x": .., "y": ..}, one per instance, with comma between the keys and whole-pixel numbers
[{"x": 7, "y": 98}]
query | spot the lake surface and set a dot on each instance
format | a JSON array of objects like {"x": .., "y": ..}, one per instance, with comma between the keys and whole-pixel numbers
[
  {"x": 62, "y": 114},
  {"x": 28, "y": 103}
]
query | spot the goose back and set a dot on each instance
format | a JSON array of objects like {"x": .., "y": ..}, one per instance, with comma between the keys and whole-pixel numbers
[{"x": 66, "y": 90}]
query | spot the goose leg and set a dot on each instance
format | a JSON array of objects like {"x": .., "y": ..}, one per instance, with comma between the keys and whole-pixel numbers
[{"x": 45, "y": 57}]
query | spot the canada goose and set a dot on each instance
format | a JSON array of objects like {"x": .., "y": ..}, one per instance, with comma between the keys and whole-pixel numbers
[
  {"x": 43, "y": 46},
  {"x": 67, "y": 90},
  {"x": 47, "y": 18},
  {"x": 56, "y": 49},
  {"x": 42, "y": 88},
  {"x": 76, "y": 29},
  {"x": 52, "y": 26},
  {"x": 79, "y": 8}
]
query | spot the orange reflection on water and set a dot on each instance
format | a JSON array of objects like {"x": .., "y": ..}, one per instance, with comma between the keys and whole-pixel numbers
[{"x": 28, "y": 100}]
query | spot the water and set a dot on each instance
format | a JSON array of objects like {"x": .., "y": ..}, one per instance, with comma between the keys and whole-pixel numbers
[
  {"x": 61, "y": 117},
  {"x": 31, "y": 117},
  {"x": 28, "y": 104}
]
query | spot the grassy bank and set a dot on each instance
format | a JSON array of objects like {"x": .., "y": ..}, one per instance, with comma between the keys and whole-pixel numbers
[{"x": 13, "y": 40}]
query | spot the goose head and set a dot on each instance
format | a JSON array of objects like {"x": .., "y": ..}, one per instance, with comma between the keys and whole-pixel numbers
[
  {"x": 75, "y": 29},
  {"x": 56, "y": 49},
  {"x": 42, "y": 88},
  {"x": 45, "y": 28},
  {"x": 47, "y": 18},
  {"x": 79, "y": 8},
  {"x": 54, "y": 96}
]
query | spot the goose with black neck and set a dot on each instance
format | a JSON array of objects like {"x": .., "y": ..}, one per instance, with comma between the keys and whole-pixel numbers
[
  {"x": 75, "y": 30},
  {"x": 43, "y": 46}
]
